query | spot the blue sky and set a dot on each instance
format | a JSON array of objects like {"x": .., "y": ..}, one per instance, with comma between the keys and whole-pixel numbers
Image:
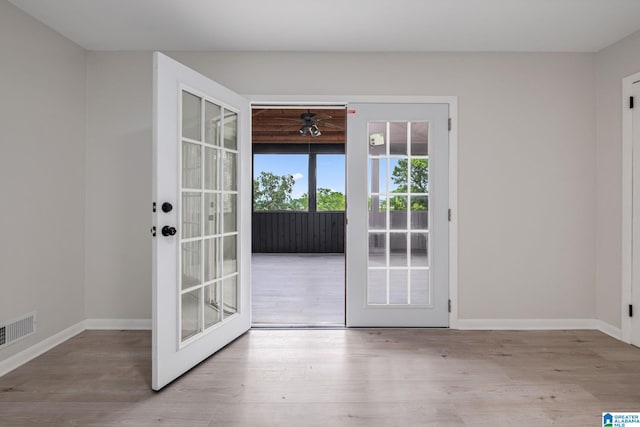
[{"x": 330, "y": 170}]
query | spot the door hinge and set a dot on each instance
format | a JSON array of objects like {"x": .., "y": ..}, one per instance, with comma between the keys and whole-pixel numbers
[
  {"x": 450, "y": 124},
  {"x": 153, "y": 231},
  {"x": 630, "y": 310},
  {"x": 631, "y": 102},
  {"x": 449, "y": 306},
  {"x": 449, "y": 215},
  {"x": 154, "y": 207}
]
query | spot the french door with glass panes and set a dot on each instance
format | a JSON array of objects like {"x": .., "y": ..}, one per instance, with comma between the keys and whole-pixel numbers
[
  {"x": 201, "y": 243},
  {"x": 397, "y": 215}
]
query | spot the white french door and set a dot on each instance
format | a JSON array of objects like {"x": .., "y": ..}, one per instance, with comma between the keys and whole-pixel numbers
[
  {"x": 633, "y": 311},
  {"x": 201, "y": 248},
  {"x": 397, "y": 215}
]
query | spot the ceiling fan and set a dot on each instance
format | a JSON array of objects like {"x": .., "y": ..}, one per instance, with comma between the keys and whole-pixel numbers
[
  {"x": 306, "y": 124},
  {"x": 310, "y": 124}
]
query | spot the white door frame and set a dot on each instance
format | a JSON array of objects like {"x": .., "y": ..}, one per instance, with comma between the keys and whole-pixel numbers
[
  {"x": 452, "y": 101},
  {"x": 627, "y": 204}
]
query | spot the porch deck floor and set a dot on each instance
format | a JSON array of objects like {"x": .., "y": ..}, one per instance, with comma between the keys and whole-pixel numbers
[{"x": 298, "y": 289}]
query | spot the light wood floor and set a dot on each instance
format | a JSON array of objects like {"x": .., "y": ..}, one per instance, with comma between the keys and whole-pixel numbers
[
  {"x": 387, "y": 377},
  {"x": 290, "y": 289}
]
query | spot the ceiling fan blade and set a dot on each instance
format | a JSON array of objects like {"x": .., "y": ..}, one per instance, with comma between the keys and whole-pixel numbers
[
  {"x": 322, "y": 117},
  {"x": 280, "y": 119},
  {"x": 331, "y": 125},
  {"x": 289, "y": 127}
]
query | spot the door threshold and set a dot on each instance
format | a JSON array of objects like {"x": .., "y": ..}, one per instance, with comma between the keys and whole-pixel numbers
[{"x": 297, "y": 326}]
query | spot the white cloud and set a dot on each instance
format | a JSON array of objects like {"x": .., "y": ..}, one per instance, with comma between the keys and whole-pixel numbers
[{"x": 297, "y": 176}]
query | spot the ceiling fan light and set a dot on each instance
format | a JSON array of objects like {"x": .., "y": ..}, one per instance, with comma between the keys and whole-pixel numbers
[
  {"x": 303, "y": 130},
  {"x": 315, "y": 131}
]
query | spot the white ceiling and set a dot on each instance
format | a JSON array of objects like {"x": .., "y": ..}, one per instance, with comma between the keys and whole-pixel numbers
[{"x": 340, "y": 25}]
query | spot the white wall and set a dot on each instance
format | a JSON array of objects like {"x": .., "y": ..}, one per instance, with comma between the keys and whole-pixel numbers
[
  {"x": 612, "y": 64},
  {"x": 527, "y": 159},
  {"x": 42, "y": 152},
  {"x": 118, "y": 242}
]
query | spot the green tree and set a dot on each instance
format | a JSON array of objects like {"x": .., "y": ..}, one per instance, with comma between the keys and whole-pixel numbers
[
  {"x": 273, "y": 193},
  {"x": 326, "y": 200},
  {"x": 418, "y": 177},
  {"x": 329, "y": 200}
]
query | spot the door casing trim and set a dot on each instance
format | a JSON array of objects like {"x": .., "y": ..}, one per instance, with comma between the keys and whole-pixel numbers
[{"x": 452, "y": 102}]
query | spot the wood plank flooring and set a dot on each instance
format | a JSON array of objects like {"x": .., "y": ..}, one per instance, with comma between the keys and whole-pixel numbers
[
  {"x": 355, "y": 377},
  {"x": 289, "y": 289}
]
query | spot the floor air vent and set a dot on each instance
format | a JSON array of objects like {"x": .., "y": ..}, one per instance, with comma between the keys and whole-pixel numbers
[{"x": 16, "y": 329}]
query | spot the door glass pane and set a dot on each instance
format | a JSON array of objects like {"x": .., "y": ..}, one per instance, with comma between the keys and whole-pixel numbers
[
  {"x": 398, "y": 286},
  {"x": 420, "y": 287},
  {"x": 191, "y": 218},
  {"x": 230, "y": 293},
  {"x": 377, "y": 132},
  {"x": 191, "y": 264},
  {"x": 419, "y": 176},
  {"x": 191, "y": 165},
  {"x": 212, "y": 120},
  {"x": 398, "y": 212},
  {"x": 377, "y": 212},
  {"x": 212, "y": 312},
  {"x": 377, "y": 250},
  {"x": 377, "y": 175},
  {"x": 211, "y": 212},
  {"x": 212, "y": 261},
  {"x": 230, "y": 255},
  {"x": 229, "y": 173},
  {"x": 230, "y": 130},
  {"x": 377, "y": 287},
  {"x": 419, "y": 138},
  {"x": 190, "y": 314},
  {"x": 397, "y": 182},
  {"x": 419, "y": 249},
  {"x": 230, "y": 214},
  {"x": 211, "y": 156},
  {"x": 398, "y": 249},
  {"x": 398, "y": 138},
  {"x": 419, "y": 212},
  {"x": 191, "y": 114}
]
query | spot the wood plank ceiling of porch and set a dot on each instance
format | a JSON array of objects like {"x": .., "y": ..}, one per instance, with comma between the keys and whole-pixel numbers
[{"x": 282, "y": 125}]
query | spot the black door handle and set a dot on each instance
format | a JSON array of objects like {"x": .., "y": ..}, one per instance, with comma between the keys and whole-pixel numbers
[{"x": 168, "y": 231}]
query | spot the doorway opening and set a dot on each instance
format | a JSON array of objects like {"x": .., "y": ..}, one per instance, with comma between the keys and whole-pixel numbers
[{"x": 298, "y": 218}]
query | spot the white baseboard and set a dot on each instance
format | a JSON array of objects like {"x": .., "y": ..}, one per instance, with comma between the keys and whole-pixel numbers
[
  {"x": 117, "y": 324},
  {"x": 606, "y": 328},
  {"x": 541, "y": 324},
  {"x": 36, "y": 350},
  {"x": 526, "y": 324}
]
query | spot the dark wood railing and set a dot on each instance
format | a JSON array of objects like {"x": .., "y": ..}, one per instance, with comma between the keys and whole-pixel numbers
[{"x": 298, "y": 232}]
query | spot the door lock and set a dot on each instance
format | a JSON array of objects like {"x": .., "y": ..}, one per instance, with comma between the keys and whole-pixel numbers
[
  {"x": 167, "y": 207},
  {"x": 168, "y": 231}
]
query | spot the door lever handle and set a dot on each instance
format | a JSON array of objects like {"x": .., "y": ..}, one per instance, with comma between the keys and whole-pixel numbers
[{"x": 168, "y": 231}]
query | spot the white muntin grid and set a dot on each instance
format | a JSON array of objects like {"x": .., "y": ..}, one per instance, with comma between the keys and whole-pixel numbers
[
  {"x": 385, "y": 158},
  {"x": 197, "y": 158}
]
